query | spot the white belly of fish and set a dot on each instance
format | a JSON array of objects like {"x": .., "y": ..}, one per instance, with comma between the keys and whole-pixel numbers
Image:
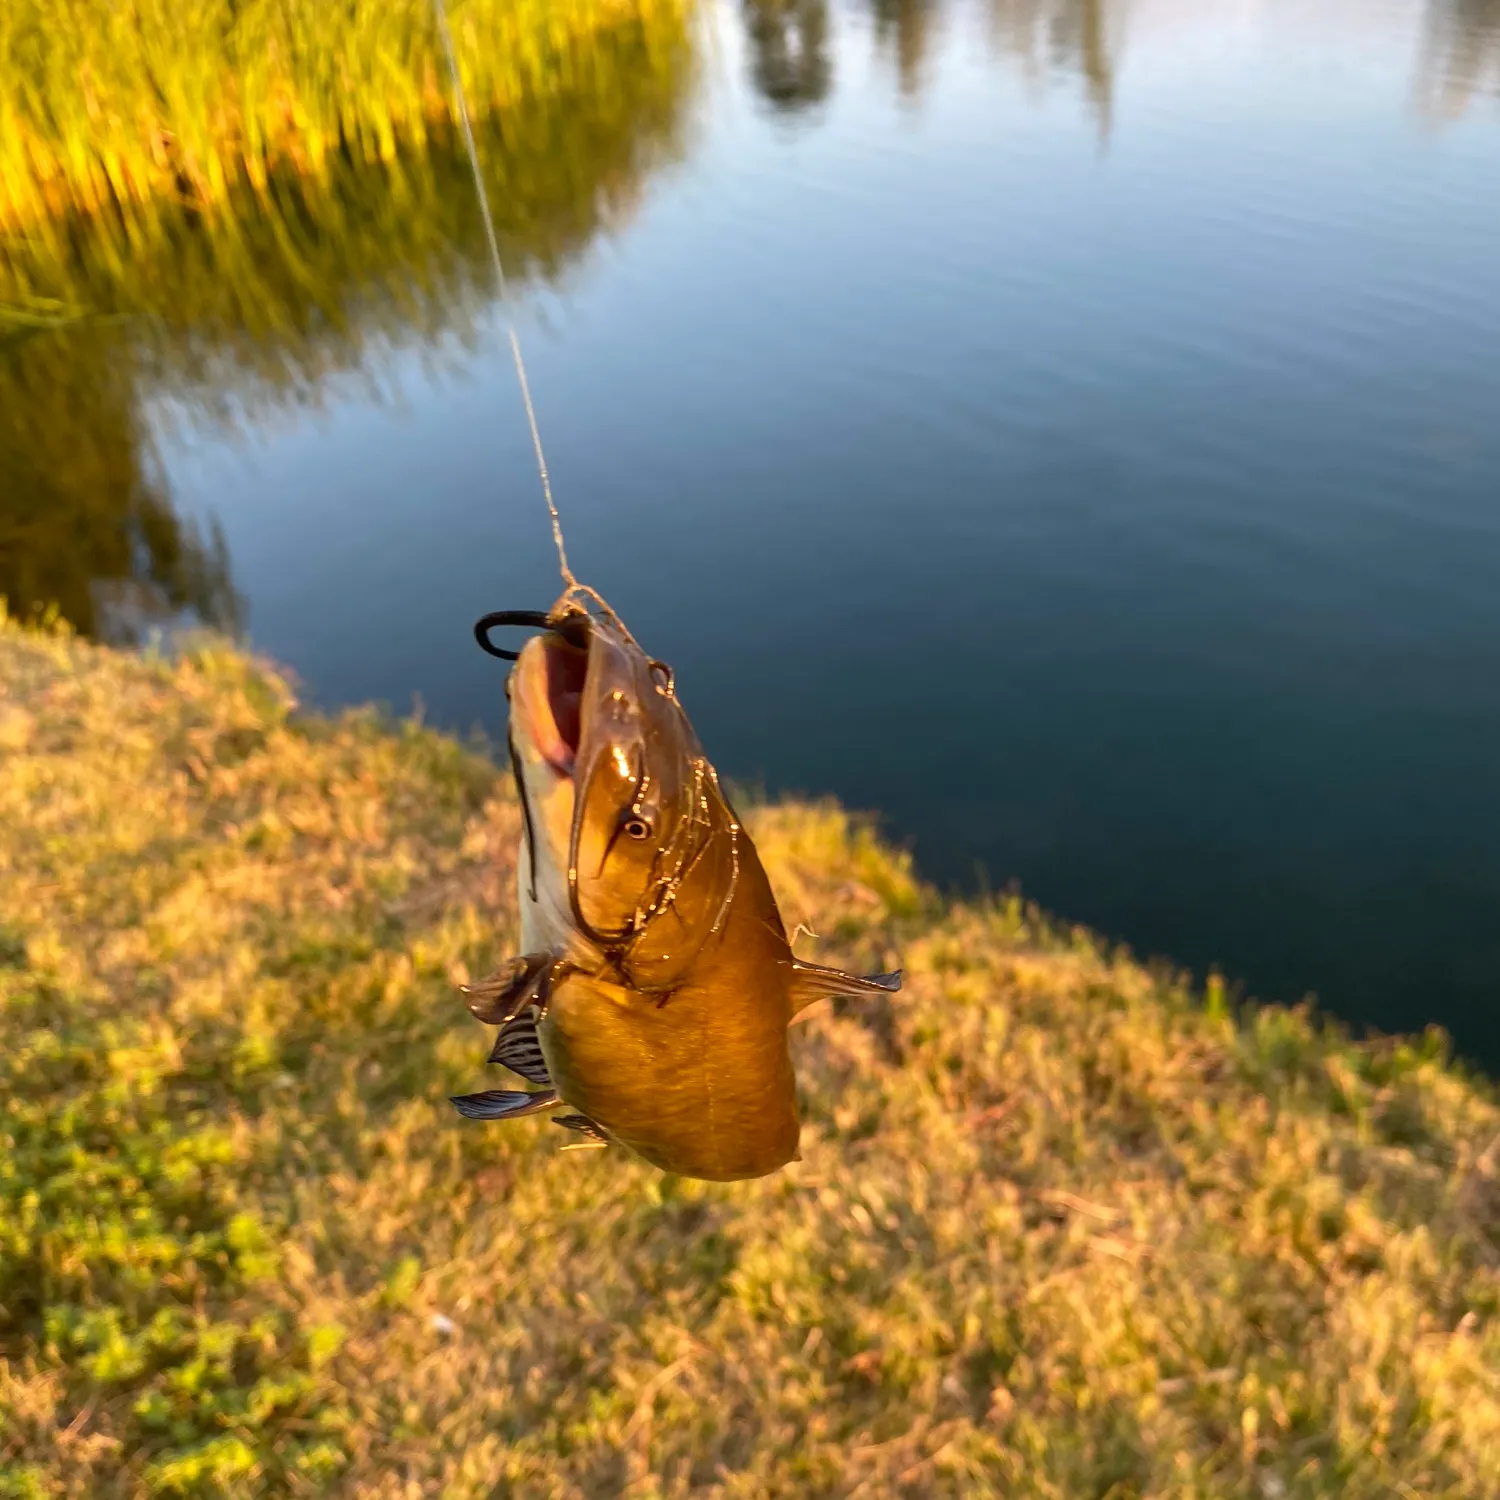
[
  {"x": 547, "y": 920},
  {"x": 547, "y": 924}
]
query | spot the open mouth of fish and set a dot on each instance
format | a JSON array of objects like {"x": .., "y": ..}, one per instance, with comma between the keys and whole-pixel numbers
[{"x": 553, "y": 706}]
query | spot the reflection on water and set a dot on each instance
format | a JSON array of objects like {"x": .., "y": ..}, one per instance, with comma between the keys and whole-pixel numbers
[
  {"x": 791, "y": 52},
  {"x": 85, "y": 523},
  {"x": 1067, "y": 36},
  {"x": 233, "y": 313},
  {"x": 790, "y": 66},
  {"x": 1461, "y": 55},
  {"x": 904, "y": 27}
]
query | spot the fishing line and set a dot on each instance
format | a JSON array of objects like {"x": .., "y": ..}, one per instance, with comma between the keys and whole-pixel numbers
[{"x": 440, "y": 12}]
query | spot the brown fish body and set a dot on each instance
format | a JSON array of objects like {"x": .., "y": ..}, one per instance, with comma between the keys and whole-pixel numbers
[
  {"x": 656, "y": 984},
  {"x": 697, "y": 1080}
]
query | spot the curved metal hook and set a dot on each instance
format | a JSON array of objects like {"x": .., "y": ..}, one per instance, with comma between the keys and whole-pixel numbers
[
  {"x": 567, "y": 626},
  {"x": 482, "y": 628}
]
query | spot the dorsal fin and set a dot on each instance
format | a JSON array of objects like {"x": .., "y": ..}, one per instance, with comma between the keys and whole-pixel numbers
[{"x": 814, "y": 982}]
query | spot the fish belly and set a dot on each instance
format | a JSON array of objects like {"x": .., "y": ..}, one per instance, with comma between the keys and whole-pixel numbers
[{"x": 693, "y": 1086}]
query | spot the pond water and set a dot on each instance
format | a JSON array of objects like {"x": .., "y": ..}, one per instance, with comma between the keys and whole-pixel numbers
[{"x": 1070, "y": 428}]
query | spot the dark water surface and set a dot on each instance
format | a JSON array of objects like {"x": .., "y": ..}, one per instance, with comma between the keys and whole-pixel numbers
[{"x": 1072, "y": 430}]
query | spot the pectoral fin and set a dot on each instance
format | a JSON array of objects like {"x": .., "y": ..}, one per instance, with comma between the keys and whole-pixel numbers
[
  {"x": 814, "y": 982},
  {"x": 524, "y": 981},
  {"x": 517, "y": 1048},
  {"x": 503, "y": 1104},
  {"x": 497, "y": 998}
]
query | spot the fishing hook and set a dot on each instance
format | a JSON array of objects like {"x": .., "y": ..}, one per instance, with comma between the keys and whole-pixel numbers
[{"x": 566, "y": 625}]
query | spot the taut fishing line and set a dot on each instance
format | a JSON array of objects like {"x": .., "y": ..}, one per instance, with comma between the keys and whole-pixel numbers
[{"x": 440, "y": 12}]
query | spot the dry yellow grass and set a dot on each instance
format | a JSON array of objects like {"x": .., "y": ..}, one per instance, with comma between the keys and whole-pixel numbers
[{"x": 1061, "y": 1230}]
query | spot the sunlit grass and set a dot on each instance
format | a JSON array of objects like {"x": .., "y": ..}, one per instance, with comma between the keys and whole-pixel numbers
[
  {"x": 1060, "y": 1229},
  {"x": 108, "y": 109}
]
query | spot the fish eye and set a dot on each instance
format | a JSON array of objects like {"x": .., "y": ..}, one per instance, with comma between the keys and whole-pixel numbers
[
  {"x": 636, "y": 827},
  {"x": 661, "y": 675}
]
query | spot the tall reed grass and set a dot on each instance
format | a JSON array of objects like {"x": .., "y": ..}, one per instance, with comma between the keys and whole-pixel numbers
[
  {"x": 245, "y": 218},
  {"x": 110, "y": 107}
]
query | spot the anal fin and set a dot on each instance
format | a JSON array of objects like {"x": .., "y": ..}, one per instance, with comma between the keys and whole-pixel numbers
[{"x": 592, "y": 1135}]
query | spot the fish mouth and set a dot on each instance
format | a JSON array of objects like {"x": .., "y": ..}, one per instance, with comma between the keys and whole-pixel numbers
[{"x": 552, "y": 707}]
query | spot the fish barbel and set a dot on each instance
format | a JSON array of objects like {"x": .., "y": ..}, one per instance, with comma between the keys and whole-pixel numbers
[{"x": 656, "y": 983}]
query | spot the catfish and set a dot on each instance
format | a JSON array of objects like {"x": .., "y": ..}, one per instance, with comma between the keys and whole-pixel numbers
[{"x": 654, "y": 990}]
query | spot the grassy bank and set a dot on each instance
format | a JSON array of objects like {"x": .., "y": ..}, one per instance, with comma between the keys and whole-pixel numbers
[{"x": 1061, "y": 1229}]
